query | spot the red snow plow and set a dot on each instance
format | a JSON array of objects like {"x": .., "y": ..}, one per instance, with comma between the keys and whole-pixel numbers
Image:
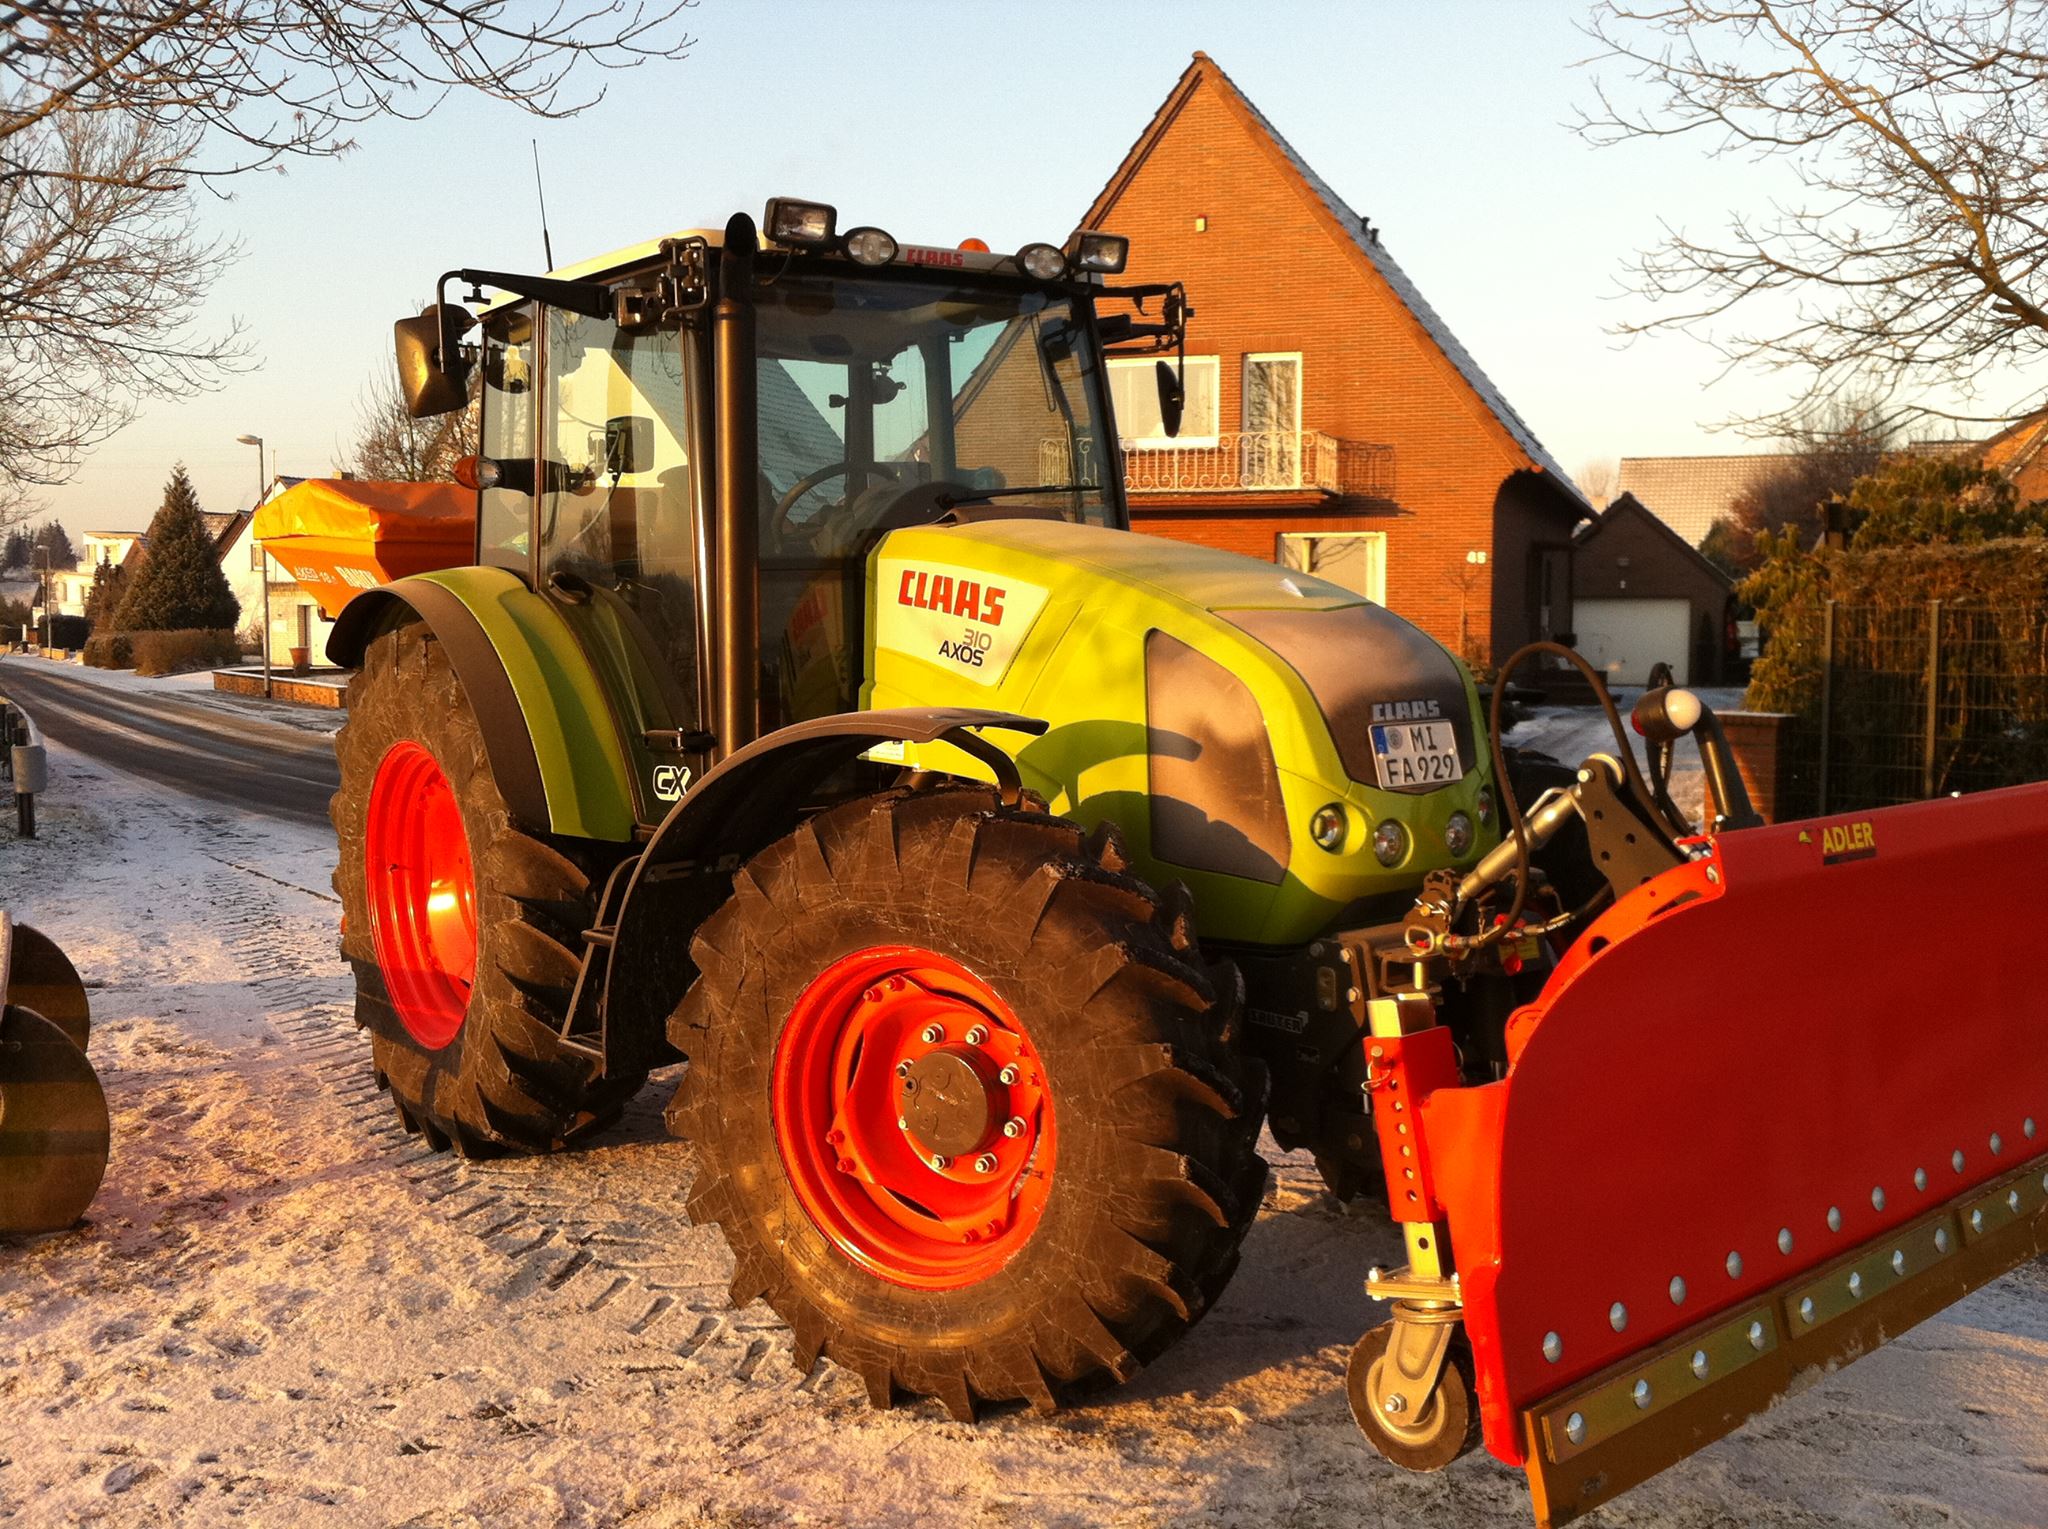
[
  {"x": 53, "y": 1115},
  {"x": 1687, "y": 1190}
]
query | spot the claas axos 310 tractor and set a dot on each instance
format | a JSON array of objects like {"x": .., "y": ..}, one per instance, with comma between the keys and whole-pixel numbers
[{"x": 811, "y": 713}]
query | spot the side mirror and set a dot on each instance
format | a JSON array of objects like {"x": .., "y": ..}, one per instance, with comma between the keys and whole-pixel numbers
[
  {"x": 433, "y": 374},
  {"x": 1173, "y": 398}
]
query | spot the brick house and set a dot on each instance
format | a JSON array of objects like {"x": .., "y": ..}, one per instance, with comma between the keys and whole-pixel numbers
[
  {"x": 1643, "y": 596},
  {"x": 1333, "y": 423}
]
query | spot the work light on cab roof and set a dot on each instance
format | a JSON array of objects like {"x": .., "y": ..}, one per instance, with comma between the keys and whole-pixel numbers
[{"x": 795, "y": 224}]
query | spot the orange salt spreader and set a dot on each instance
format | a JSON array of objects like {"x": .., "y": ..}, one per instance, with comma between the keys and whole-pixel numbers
[{"x": 340, "y": 536}]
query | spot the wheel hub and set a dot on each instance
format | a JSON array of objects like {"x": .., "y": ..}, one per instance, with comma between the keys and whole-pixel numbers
[
  {"x": 913, "y": 1117},
  {"x": 953, "y": 1101}
]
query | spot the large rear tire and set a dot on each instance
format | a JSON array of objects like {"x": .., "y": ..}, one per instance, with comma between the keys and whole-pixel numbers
[
  {"x": 1067, "y": 1193},
  {"x": 463, "y": 928}
]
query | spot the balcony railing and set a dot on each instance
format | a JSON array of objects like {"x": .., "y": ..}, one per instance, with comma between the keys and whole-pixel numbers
[{"x": 1244, "y": 461}]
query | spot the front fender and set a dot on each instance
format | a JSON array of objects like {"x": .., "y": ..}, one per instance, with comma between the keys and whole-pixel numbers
[
  {"x": 742, "y": 806},
  {"x": 549, "y": 728}
]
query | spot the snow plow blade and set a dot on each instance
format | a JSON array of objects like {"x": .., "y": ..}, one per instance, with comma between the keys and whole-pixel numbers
[
  {"x": 54, "y": 1133},
  {"x": 1774, "y": 1108}
]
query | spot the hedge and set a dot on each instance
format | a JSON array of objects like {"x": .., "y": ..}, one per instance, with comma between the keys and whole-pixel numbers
[
  {"x": 109, "y": 650},
  {"x": 175, "y": 652}
]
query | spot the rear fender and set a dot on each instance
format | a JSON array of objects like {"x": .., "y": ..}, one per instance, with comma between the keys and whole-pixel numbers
[
  {"x": 741, "y": 807},
  {"x": 548, "y": 726},
  {"x": 1760, "y": 1073}
]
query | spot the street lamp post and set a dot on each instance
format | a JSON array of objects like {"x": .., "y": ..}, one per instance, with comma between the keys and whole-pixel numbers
[
  {"x": 257, "y": 442},
  {"x": 42, "y": 562}
]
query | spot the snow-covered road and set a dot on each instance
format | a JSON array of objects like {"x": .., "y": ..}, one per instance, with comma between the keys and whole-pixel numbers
[{"x": 284, "y": 1312}]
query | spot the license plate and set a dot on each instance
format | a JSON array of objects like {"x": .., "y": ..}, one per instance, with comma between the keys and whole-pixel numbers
[{"x": 1416, "y": 756}]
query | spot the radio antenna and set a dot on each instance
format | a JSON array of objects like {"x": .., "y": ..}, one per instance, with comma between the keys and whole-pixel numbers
[{"x": 547, "y": 245}]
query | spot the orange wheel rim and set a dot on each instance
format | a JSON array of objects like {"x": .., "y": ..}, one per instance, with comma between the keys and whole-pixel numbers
[
  {"x": 913, "y": 1118},
  {"x": 422, "y": 894}
]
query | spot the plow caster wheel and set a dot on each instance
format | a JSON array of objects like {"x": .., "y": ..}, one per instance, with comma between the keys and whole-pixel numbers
[{"x": 1418, "y": 1428}]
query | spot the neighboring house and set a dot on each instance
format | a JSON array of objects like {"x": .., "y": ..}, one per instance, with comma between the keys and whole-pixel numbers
[
  {"x": 2021, "y": 452},
  {"x": 1642, "y": 596},
  {"x": 1690, "y": 493},
  {"x": 296, "y": 620},
  {"x": 1333, "y": 423}
]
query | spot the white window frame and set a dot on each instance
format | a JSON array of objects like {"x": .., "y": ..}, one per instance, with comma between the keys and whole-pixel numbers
[
  {"x": 1244, "y": 392},
  {"x": 1183, "y": 441},
  {"x": 1378, "y": 563}
]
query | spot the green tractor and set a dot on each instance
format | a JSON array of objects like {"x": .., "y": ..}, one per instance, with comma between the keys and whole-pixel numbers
[{"x": 811, "y": 713}]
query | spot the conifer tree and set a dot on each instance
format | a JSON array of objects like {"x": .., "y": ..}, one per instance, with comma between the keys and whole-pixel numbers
[
  {"x": 52, "y": 537},
  {"x": 109, "y": 582},
  {"x": 180, "y": 585},
  {"x": 15, "y": 552}
]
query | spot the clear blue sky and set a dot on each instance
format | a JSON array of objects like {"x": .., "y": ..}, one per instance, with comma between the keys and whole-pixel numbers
[{"x": 1445, "y": 123}]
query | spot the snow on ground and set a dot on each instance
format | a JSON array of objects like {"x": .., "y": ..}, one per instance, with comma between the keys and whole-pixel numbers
[
  {"x": 283, "y": 1311},
  {"x": 196, "y": 688}
]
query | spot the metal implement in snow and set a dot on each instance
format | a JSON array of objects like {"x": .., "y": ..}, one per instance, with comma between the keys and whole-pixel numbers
[{"x": 54, "y": 1132}]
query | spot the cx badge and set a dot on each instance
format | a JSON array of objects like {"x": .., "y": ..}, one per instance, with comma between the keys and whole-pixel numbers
[{"x": 671, "y": 781}]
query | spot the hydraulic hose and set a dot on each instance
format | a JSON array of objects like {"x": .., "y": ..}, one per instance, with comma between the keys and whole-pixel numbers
[{"x": 1510, "y": 805}]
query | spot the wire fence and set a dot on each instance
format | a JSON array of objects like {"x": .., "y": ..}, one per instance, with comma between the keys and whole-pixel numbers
[{"x": 1920, "y": 701}]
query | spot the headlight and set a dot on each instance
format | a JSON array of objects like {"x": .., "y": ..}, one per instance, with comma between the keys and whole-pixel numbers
[
  {"x": 789, "y": 221},
  {"x": 1485, "y": 804},
  {"x": 1042, "y": 262},
  {"x": 1092, "y": 251},
  {"x": 1458, "y": 835},
  {"x": 1328, "y": 827},
  {"x": 870, "y": 246},
  {"x": 1390, "y": 843}
]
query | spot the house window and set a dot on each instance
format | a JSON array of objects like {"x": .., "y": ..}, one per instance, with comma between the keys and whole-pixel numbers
[
  {"x": 255, "y": 555},
  {"x": 1354, "y": 560},
  {"x": 1134, "y": 393},
  {"x": 1271, "y": 444}
]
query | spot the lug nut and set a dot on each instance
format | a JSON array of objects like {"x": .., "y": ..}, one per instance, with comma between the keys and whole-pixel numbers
[
  {"x": 933, "y": 1034},
  {"x": 1014, "y": 1127},
  {"x": 940, "y": 1160},
  {"x": 902, "y": 1069},
  {"x": 1007, "y": 1075},
  {"x": 977, "y": 1035},
  {"x": 835, "y": 1137},
  {"x": 1395, "y": 1405},
  {"x": 986, "y": 1163},
  {"x": 902, "y": 1122}
]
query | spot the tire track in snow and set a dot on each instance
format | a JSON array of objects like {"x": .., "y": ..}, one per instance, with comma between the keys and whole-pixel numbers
[{"x": 603, "y": 1224}]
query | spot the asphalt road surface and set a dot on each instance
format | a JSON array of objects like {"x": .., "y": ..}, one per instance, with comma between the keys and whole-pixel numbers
[{"x": 197, "y": 748}]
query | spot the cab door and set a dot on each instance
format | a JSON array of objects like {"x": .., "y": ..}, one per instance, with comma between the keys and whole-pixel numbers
[{"x": 615, "y": 536}]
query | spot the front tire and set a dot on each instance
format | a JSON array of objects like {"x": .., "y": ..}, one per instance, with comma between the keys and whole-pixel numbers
[
  {"x": 463, "y": 929},
  {"x": 1067, "y": 1193}
]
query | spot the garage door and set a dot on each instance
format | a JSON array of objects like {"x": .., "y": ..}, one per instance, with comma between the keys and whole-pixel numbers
[{"x": 1625, "y": 637}]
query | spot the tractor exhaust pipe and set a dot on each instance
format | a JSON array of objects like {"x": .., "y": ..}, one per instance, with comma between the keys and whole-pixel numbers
[{"x": 736, "y": 572}]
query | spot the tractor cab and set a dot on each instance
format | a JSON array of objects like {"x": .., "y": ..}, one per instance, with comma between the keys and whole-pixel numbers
[{"x": 693, "y": 446}]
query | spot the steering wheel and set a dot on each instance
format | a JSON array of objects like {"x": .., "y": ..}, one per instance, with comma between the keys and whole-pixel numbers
[{"x": 810, "y": 480}]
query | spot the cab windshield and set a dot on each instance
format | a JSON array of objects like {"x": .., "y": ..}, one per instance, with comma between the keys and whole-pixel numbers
[
  {"x": 881, "y": 401},
  {"x": 870, "y": 386}
]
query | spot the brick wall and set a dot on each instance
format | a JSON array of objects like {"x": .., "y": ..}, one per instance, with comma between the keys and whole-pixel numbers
[{"x": 1270, "y": 274}]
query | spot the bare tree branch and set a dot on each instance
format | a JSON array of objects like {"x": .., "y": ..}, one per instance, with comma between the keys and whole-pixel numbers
[
  {"x": 1913, "y": 265},
  {"x": 111, "y": 111}
]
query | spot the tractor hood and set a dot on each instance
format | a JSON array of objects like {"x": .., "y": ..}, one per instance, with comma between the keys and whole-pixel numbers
[{"x": 1212, "y": 706}]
